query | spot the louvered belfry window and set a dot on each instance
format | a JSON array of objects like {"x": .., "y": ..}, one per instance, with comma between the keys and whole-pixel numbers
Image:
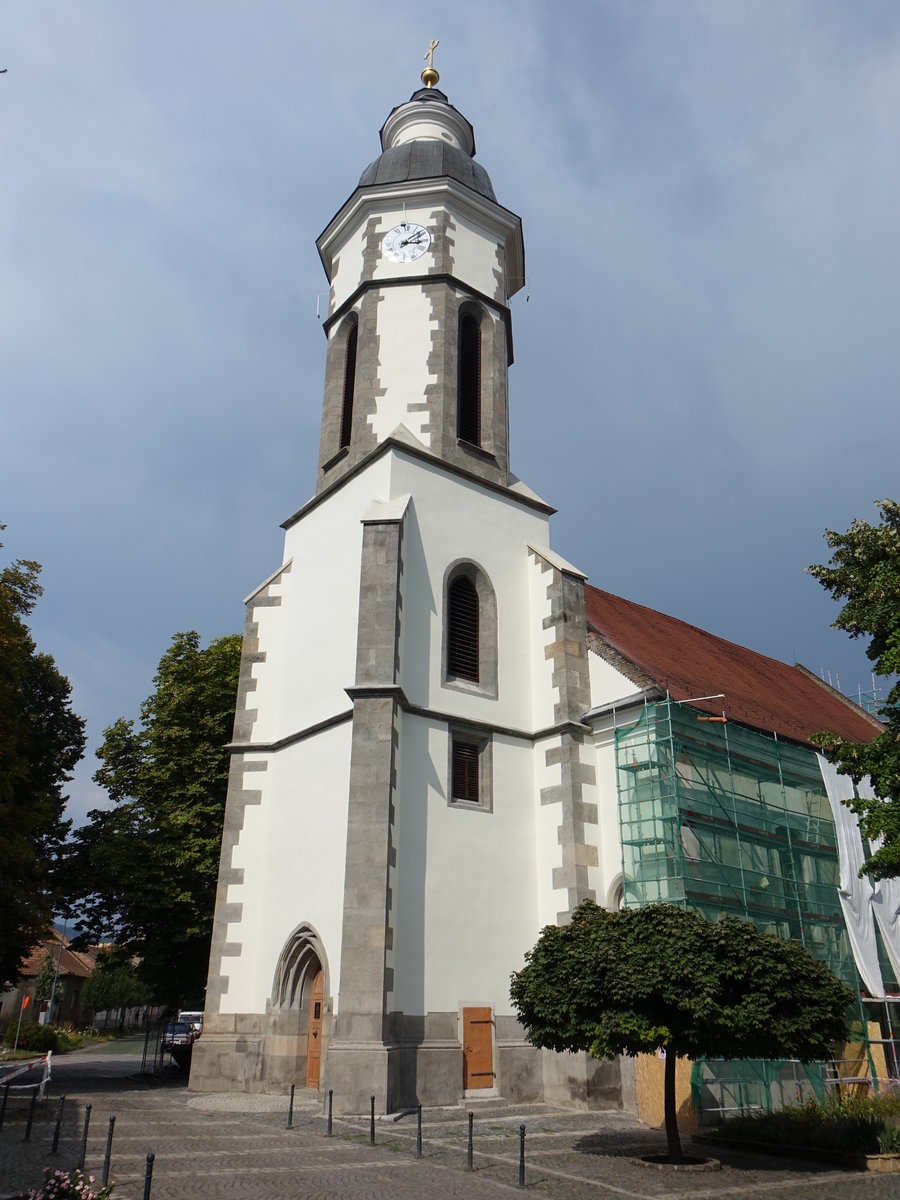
[
  {"x": 464, "y": 784},
  {"x": 468, "y": 419},
  {"x": 462, "y": 629},
  {"x": 349, "y": 386}
]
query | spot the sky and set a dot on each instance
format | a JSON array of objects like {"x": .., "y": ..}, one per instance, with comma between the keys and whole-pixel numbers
[{"x": 706, "y": 352}]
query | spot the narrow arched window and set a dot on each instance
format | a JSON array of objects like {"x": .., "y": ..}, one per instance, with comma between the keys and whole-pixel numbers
[
  {"x": 468, "y": 399},
  {"x": 462, "y": 629},
  {"x": 349, "y": 385}
]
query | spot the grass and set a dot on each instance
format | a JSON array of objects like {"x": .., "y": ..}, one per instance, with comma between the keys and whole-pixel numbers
[
  {"x": 66, "y": 1039},
  {"x": 854, "y": 1124}
]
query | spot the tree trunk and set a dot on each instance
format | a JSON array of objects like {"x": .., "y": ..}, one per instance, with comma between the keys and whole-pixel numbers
[{"x": 674, "y": 1142}]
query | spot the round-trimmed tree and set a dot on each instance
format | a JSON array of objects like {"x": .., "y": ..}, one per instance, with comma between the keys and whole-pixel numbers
[{"x": 639, "y": 979}]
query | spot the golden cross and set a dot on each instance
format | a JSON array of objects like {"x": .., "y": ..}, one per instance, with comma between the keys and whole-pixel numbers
[{"x": 429, "y": 53}]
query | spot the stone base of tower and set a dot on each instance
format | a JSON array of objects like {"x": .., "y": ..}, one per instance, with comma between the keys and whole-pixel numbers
[
  {"x": 247, "y": 1052},
  {"x": 579, "y": 1081}
]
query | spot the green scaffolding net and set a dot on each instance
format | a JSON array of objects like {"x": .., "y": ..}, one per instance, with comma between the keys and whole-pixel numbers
[{"x": 730, "y": 821}]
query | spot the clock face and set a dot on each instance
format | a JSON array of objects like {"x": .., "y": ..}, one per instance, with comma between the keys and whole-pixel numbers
[{"x": 406, "y": 242}]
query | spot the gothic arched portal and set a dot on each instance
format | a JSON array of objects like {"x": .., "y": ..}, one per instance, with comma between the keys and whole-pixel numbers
[{"x": 299, "y": 991}]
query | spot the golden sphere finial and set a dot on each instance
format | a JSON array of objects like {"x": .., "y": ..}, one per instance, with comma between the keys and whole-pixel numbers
[{"x": 430, "y": 76}]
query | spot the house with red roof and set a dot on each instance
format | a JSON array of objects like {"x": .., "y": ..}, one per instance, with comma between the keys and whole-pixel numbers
[{"x": 74, "y": 968}]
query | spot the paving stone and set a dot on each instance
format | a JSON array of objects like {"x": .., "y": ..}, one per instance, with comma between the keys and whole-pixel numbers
[{"x": 239, "y": 1147}]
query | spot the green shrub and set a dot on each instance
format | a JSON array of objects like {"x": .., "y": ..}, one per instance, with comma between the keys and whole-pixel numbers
[
  {"x": 851, "y": 1123},
  {"x": 39, "y": 1038},
  {"x": 68, "y": 1039}
]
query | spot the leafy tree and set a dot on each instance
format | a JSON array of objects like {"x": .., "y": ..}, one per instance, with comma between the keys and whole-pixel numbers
[
  {"x": 143, "y": 873},
  {"x": 43, "y": 981},
  {"x": 865, "y": 570},
  {"x": 41, "y": 740},
  {"x": 663, "y": 976},
  {"x": 112, "y": 986}
]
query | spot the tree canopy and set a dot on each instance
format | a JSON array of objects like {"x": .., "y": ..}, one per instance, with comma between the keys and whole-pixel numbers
[
  {"x": 112, "y": 985},
  {"x": 41, "y": 740},
  {"x": 143, "y": 873},
  {"x": 639, "y": 979},
  {"x": 864, "y": 570}
]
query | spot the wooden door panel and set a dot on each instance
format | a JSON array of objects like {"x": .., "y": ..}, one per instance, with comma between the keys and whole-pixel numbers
[
  {"x": 314, "y": 1036},
  {"x": 477, "y": 1048}
]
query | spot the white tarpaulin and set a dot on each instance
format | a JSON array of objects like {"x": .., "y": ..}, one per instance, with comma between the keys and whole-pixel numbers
[
  {"x": 856, "y": 894},
  {"x": 886, "y": 900}
]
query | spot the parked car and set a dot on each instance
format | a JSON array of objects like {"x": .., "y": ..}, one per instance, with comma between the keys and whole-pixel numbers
[
  {"x": 178, "y": 1033},
  {"x": 194, "y": 1019}
]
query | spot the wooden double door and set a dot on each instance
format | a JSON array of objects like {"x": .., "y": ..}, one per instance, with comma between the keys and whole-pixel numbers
[{"x": 478, "y": 1048}]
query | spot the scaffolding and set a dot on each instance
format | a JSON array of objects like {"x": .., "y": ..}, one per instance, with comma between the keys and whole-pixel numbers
[{"x": 730, "y": 821}]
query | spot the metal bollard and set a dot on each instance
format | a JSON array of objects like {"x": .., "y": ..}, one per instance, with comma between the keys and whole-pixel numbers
[
  {"x": 108, "y": 1155},
  {"x": 290, "y": 1123},
  {"x": 54, "y": 1145},
  {"x": 469, "y": 1146},
  {"x": 84, "y": 1133},
  {"x": 521, "y": 1156},
  {"x": 3, "y": 1105},
  {"x": 372, "y": 1121},
  {"x": 330, "y": 1109},
  {"x": 419, "y": 1131},
  {"x": 148, "y": 1175},
  {"x": 31, "y": 1108}
]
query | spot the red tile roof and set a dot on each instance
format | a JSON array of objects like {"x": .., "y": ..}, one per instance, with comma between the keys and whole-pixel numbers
[
  {"x": 759, "y": 691},
  {"x": 78, "y": 963}
]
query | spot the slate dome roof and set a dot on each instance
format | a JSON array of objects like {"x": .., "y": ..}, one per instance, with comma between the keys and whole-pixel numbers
[
  {"x": 429, "y": 157},
  {"x": 427, "y": 160}
]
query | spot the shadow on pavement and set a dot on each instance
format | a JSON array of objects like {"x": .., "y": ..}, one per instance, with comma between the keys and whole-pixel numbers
[{"x": 627, "y": 1145}]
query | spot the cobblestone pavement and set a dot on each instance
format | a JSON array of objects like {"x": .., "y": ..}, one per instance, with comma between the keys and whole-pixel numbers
[{"x": 240, "y": 1147}]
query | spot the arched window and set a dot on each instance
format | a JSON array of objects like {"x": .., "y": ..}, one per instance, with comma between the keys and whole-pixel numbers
[
  {"x": 468, "y": 392},
  {"x": 462, "y": 629},
  {"x": 470, "y": 630},
  {"x": 349, "y": 385}
]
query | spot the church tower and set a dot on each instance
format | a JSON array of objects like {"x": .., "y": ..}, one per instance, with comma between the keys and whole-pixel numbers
[{"x": 411, "y": 798}]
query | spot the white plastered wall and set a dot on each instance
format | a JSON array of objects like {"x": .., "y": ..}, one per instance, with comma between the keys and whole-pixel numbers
[
  {"x": 309, "y": 640},
  {"x": 464, "y": 910},
  {"x": 292, "y": 851},
  {"x": 348, "y": 270},
  {"x": 610, "y": 845},
  {"x": 292, "y": 846},
  {"x": 607, "y": 684},
  {"x": 474, "y": 252},
  {"x": 463, "y": 924},
  {"x": 548, "y": 852},
  {"x": 405, "y": 325},
  {"x": 452, "y": 519}
]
